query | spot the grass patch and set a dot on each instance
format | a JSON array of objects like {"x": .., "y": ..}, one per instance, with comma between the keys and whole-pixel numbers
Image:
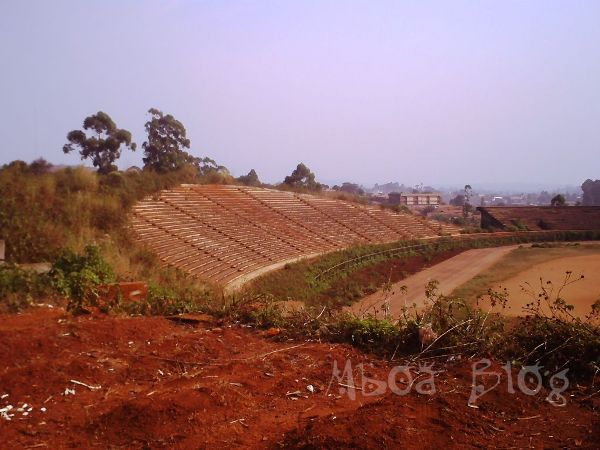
[
  {"x": 346, "y": 275},
  {"x": 56, "y": 216},
  {"x": 337, "y": 278}
]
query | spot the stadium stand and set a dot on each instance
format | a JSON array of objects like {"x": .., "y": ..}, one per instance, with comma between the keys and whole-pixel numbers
[
  {"x": 229, "y": 234},
  {"x": 536, "y": 218}
]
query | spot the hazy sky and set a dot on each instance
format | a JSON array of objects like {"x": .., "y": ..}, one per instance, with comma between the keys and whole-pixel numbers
[{"x": 440, "y": 92}]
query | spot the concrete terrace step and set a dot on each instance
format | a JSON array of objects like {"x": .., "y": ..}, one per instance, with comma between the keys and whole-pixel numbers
[{"x": 221, "y": 233}]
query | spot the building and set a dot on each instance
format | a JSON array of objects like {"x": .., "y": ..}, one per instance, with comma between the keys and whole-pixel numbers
[{"x": 417, "y": 199}]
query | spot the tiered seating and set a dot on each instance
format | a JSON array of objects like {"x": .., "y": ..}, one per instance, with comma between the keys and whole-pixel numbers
[
  {"x": 221, "y": 233},
  {"x": 535, "y": 218},
  {"x": 408, "y": 226}
]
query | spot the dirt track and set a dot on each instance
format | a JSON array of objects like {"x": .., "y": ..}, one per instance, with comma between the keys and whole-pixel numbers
[
  {"x": 158, "y": 384},
  {"x": 450, "y": 274}
]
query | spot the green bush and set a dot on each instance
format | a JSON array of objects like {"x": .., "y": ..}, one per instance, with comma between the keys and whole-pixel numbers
[
  {"x": 377, "y": 335},
  {"x": 77, "y": 277},
  {"x": 19, "y": 288}
]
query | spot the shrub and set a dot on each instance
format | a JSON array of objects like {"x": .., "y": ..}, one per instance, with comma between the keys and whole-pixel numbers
[
  {"x": 551, "y": 336},
  {"x": 77, "y": 277},
  {"x": 372, "y": 334},
  {"x": 518, "y": 225},
  {"x": 19, "y": 288}
]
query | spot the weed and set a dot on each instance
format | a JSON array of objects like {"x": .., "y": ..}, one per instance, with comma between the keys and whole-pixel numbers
[
  {"x": 77, "y": 277},
  {"x": 19, "y": 288},
  {"x": 550, "y": 335}
]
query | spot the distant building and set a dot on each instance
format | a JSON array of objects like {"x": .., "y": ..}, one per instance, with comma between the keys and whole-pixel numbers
[
  {"x": 517, "y": 200},
  {"x": 418, "y": 199}
]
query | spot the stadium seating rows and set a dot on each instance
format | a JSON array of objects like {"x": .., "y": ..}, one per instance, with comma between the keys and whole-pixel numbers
[{"x": 220, "y": 233}]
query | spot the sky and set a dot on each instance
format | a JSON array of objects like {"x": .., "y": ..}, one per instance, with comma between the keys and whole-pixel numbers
[{"x": 435, "y": 92}]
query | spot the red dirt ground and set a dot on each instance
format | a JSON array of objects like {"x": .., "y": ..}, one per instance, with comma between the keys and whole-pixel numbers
[{"x": 167, "y": 385}]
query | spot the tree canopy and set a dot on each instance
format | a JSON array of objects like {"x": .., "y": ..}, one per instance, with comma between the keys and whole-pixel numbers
[
  {"x": 558, "y": 200},
  {"x": 591, "y": 192},
  {"x": 251, "y": 179},
  {"x": 351, "y": 188},
  {"x": 103, "y": 142},
  {"x": 302, "y": 177},
  {"x": 164, "y": 149},
  {"x": 459, "y": 200}
]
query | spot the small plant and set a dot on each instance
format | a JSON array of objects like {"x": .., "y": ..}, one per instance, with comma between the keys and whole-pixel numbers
[
  {"x": 518, "y": 225},
  {"x": 19, "y": 288},
  {"x": 372, "y": 334},
  {"x": 77, "y": 277},
  {"x": 551, "y": 335},
  {"x": 543, "y": 224}
]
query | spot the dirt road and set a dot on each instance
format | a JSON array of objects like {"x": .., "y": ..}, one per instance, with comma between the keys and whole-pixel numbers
[{"x": 450, "y": 274}]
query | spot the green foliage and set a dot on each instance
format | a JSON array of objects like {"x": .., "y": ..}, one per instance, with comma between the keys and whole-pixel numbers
[
  {"x": 103, "y": 145},
  {"x": 518, "y": 225},
  {"x": 164, "y": 149},
  {"x": 309, "y": 280},
  {"x": 42, "y": 213},
  {"x": 591, "y": 192},
  {"x": 558, "y": 200},
  {"x": 376, "y": 335},
  {"x": 268, "y": 314},
  {"x": 77, "y": 277},
  {"x": 351, "y": 188},
  {"x": 302, "y": 178},
  {"x": 172, "y": 297},
  {"x": 19, "y": 288},
  {"x": 251, "y": 179}
]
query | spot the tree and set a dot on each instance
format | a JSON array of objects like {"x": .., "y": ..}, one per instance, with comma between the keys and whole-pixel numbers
[
  {"x": 302, "y": 177},
  {"x": 352, "y": 188},
  {"x": 164, "y": 150},
  {"x": 251, "y": 179},
  {"x": 40, "y": 167},
  {"x": 459, "y": 200},
  {"x": 102, "y": 145},
  {"x": 591, "y": 192},
  {"x": 467, "y": 207},
  {"x": 558, "y": 200}
]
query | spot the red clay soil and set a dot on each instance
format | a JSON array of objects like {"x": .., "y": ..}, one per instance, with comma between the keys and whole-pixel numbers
[{"x": 154, "y": 383}]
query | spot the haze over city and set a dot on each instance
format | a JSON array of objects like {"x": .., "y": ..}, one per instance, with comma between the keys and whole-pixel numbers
[{"x": 444, "y": 93}]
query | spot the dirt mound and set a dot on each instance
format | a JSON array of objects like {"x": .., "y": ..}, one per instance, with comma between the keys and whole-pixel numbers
[
  {"x": 445, "y": 421},
  {"x": 99, "y": 381}
]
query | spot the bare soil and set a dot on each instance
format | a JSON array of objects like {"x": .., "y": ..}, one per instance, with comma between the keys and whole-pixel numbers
[
  {"x": 525, "y": 286},
  {"x": 156, "y": 383},
  {"x": 450, "y": 272}
]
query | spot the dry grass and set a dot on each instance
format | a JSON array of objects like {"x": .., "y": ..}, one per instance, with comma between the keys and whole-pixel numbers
[{"x": 518, "y": 261}]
